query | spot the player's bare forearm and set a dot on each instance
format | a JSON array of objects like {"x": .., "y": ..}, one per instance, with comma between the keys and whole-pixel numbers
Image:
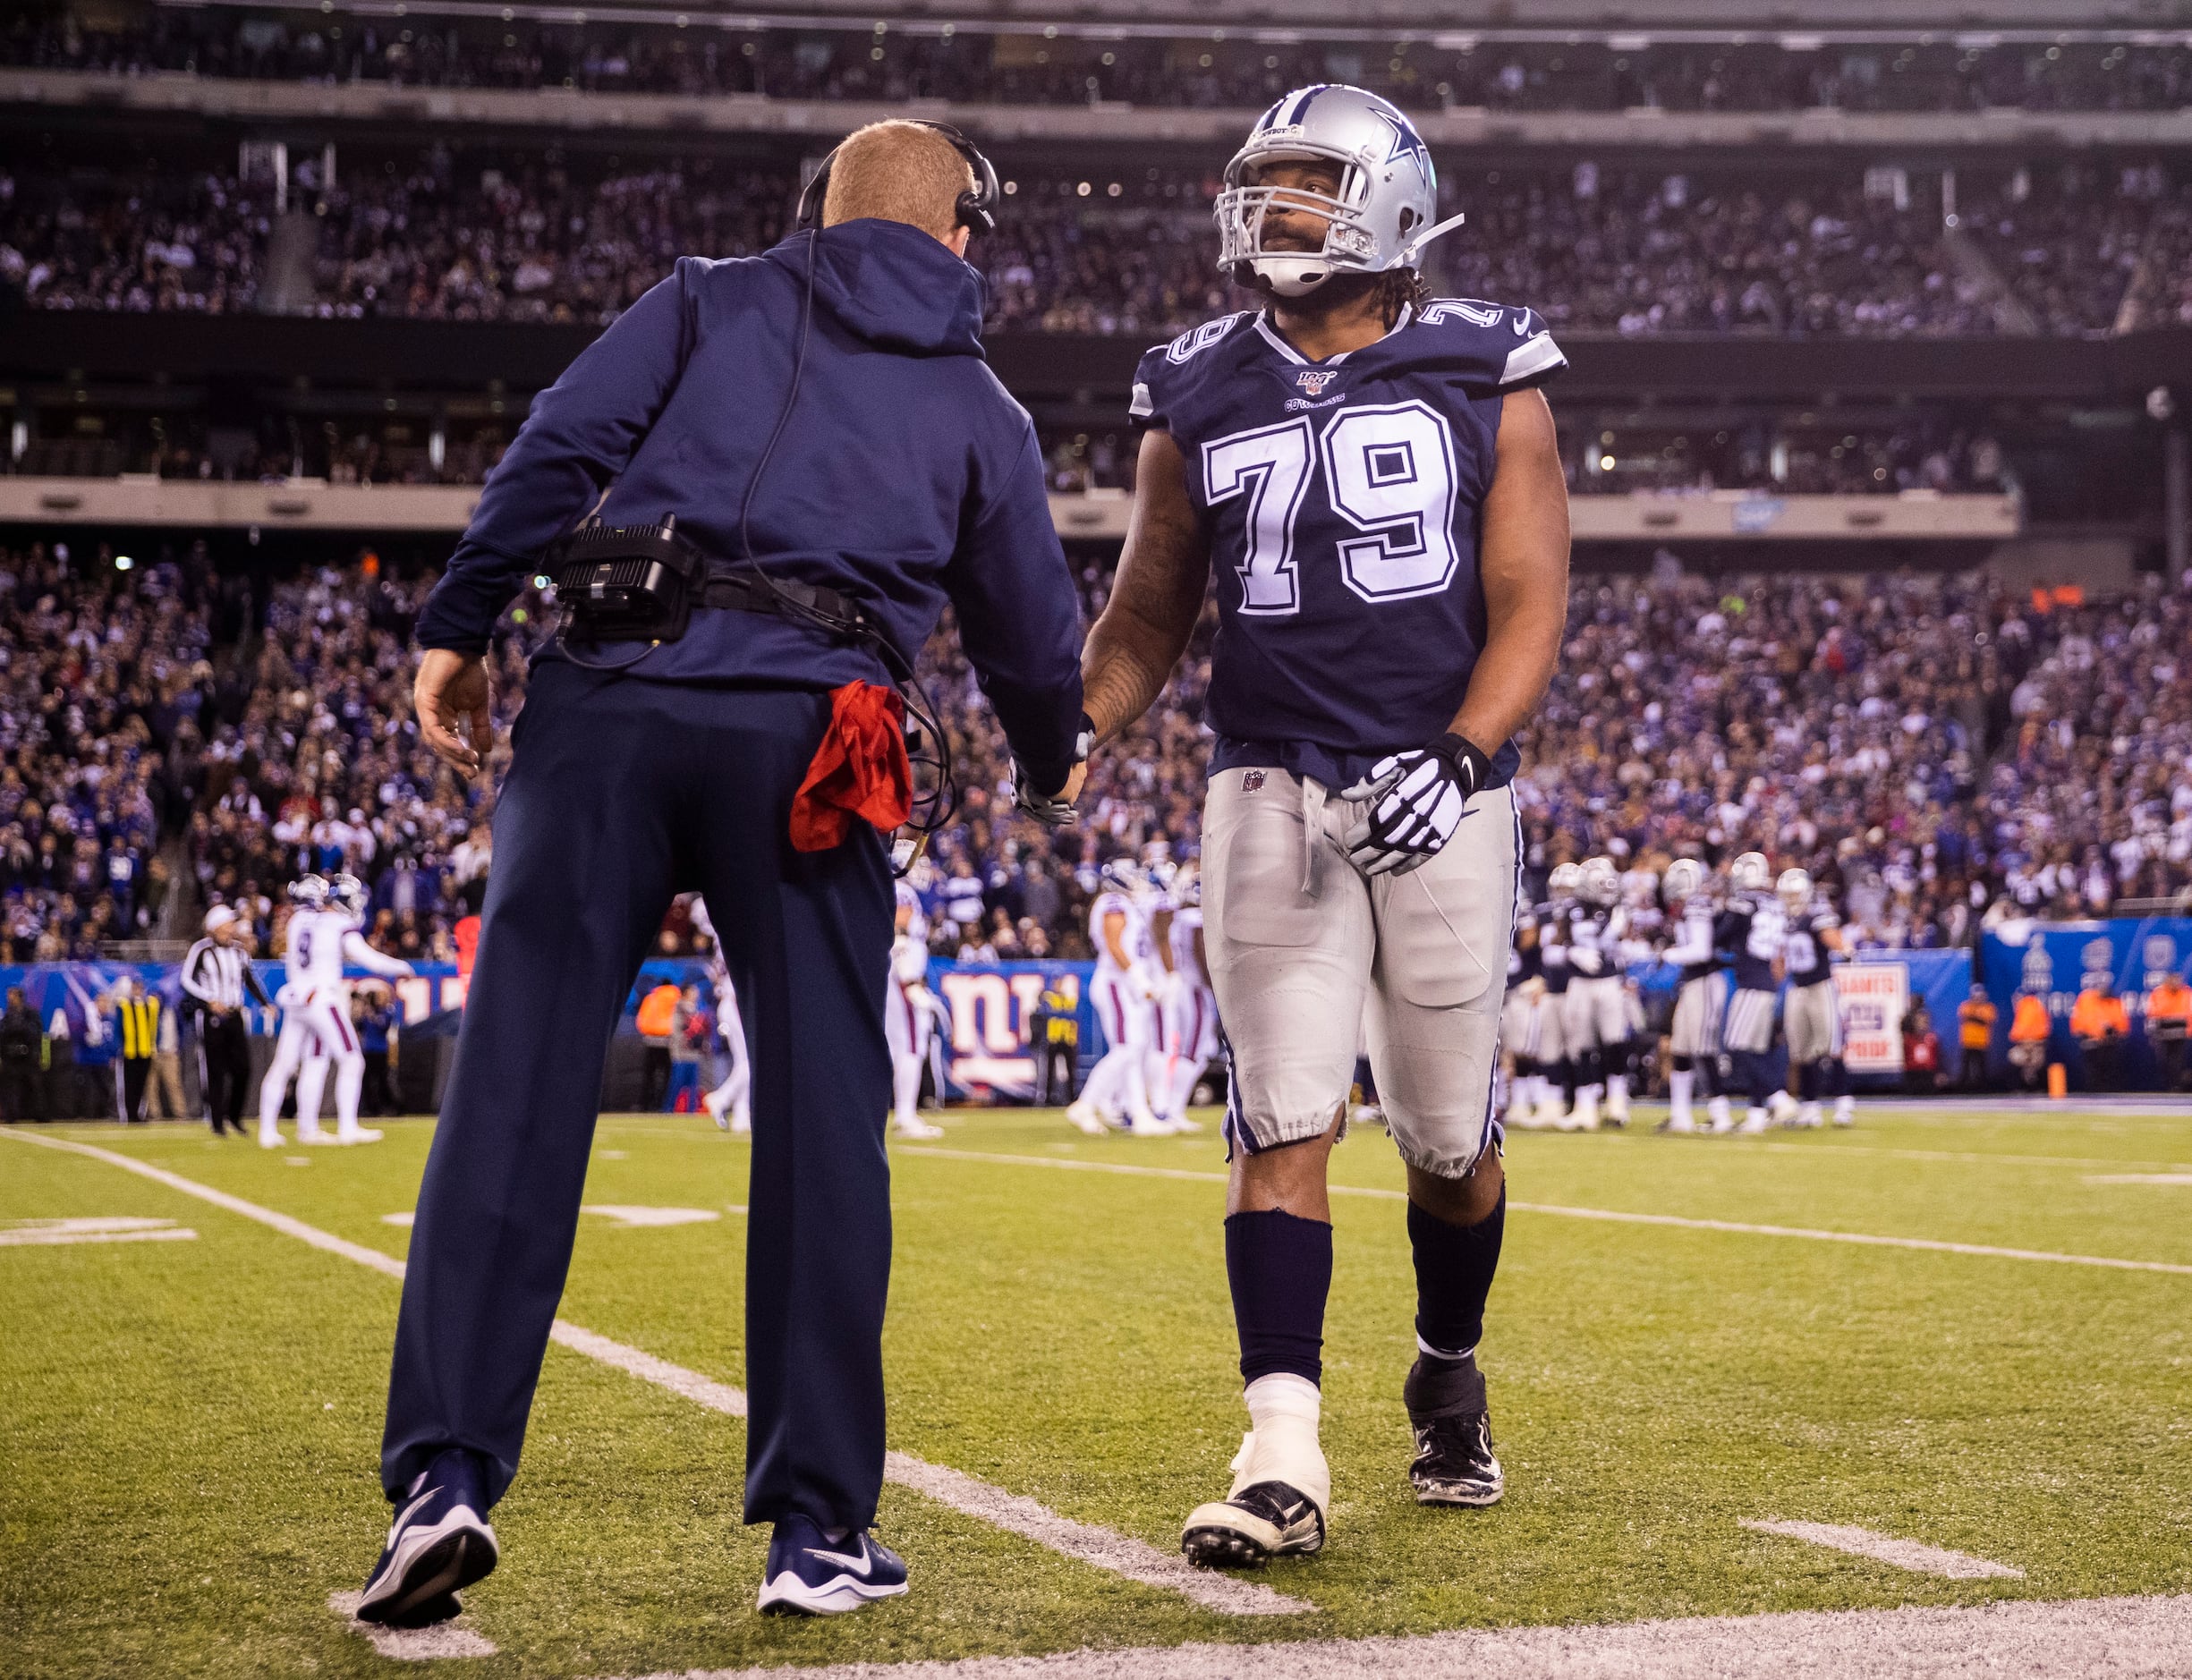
[
  {"x": 1523, "y": 563},
  {"x": 1155, "y": 599}
]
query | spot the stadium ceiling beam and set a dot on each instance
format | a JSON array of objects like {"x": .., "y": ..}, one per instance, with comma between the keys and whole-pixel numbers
[{"x": 316, "y": 107}]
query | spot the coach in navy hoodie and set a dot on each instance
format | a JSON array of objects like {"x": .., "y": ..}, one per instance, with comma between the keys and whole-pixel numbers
[{"x": 905, "y": 478}]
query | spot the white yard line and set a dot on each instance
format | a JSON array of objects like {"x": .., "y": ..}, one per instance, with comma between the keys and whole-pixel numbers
[
  {"x": 2011, "y": 1638},
  {"x": 1862, "y": 1542},
  {"x": 412, "y": 1644},
  {"x": 1735, "y": 1228},
  {"x": 1120, "y": 1554}
]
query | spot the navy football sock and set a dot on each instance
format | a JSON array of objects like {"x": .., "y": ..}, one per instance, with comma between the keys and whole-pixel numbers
[
  {"x": 1280, "y": 1268},
  {"x": 1454, "y": 1267}
]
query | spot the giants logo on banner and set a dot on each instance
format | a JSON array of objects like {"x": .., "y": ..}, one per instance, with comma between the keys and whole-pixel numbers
[
  {"x": 1873, "y": 996},
  {"x": 991, "y": 1011}
]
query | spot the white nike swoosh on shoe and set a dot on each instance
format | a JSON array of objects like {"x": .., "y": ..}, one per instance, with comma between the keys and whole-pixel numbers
[
  {"x": 404, "y": 1516},
  {"x": 857, "y": 1563}
]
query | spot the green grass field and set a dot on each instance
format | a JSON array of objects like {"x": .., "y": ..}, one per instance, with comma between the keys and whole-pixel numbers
[{"x": 187, "y": 1462}]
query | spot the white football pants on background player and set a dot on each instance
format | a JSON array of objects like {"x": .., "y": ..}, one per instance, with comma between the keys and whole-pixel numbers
[{"x": 1118, "y": 1087}]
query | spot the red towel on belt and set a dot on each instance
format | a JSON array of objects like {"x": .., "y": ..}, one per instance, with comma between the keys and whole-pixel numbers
[{"x": 860, "y": 769}]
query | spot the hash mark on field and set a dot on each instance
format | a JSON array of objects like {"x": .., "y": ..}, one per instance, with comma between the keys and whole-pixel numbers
[
  {"x": 1121, "y": 1554},
  {"x": 412, "y": 1644},
  {"x": 633, "y": 1218},
  {"x": 1862, "y": 1542},
  {"x": 1984, "y": 1251},
  {"x": 57, "y": 1233},
  {"x": 2138, "y": 1179}
]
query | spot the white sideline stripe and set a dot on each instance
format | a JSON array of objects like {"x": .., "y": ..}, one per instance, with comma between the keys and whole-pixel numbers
[
  {"x": 412, "y": 1644},
  {"x": 2011, "y": 1639},
  {"x": 1984, "y": 1251},
  {"x": 2138, "y": 1179},
  {"x": 1120, "y": 1554},
  {"x": 1862, "y": 1542},
  {"x": 56, "y": 1238}
]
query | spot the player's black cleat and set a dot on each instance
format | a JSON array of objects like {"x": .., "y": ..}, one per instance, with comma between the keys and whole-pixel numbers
[
  {"x": 1454, "y": 1462},
  {"x": 439, "y": 1542},
  {"x": 1249, "y": 1529}
]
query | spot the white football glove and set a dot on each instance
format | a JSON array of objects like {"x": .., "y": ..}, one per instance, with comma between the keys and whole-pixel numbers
[{"x": 1417, "y": 798}]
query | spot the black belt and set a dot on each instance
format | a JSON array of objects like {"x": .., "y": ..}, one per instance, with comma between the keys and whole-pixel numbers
[{"x": 742, "y": 592}]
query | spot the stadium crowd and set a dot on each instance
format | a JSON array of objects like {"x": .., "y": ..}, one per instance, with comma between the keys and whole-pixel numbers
[
  {"x": 542, "y": 236},
  {"x": 1065, "y": 63},
  {"x": 1938, "y": 750}
]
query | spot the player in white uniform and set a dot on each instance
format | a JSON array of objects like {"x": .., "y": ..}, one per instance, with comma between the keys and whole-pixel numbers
[
  {"x": 1191, "y": 1007},
  {"x": 1694, "y": 1042},
  {"x": 316, "y": 1009},
  {"x": 1597, "y": 1014},
  {"x": 731, "y": 1102},
  {"x": 909, "y": 1019},
  {"x": 1123, "y": 993}
]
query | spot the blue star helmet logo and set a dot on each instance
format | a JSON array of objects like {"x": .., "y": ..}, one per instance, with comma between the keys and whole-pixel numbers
[{"x": 1405, "y": 143}]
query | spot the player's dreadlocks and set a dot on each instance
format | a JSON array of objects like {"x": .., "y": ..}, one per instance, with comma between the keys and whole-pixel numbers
[{"x": 1401, "y": 289}]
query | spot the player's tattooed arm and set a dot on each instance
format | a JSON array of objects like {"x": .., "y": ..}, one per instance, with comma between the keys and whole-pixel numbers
[
  {"x": 1524, "y": 566},
  {"x": 1155, "y": 599}
]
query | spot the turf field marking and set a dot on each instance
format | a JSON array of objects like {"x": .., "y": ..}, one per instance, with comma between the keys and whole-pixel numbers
[
  {"x": 633, "y": 1219},
  {"x": 1862, "y": 1542},
  {"x": 55, "y": 1233},
  {"x": 2013, "y": 1639},
  {"x": 2138, "y": 1179},
  {"x": 1985, "y": 1251},
  {"x": 412, "y": 1644},
  {"x": 404, "y": 1220},
  {"x": 1120, "y": 1554}
]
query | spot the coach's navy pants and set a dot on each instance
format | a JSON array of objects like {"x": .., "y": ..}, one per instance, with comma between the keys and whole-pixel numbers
[{"x": 622, "y": 793}]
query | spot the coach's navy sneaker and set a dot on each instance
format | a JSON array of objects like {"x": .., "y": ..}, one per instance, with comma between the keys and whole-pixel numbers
[
  {"x": 1454, "y": 1462},
  {"x": 808, "y": 1573},
  {"x": 440, "y": 1541}
]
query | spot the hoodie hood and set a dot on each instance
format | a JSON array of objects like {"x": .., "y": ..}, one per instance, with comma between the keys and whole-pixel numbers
[{"x": 895, "y": 287}]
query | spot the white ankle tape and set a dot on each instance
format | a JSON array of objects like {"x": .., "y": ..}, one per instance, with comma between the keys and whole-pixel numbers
[{"x": 1282, "y": 1398}]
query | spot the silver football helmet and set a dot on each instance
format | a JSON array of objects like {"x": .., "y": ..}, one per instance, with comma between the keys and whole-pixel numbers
[
  {"x": 1565, "y": 881},
  {"x": 1685, "y": 878},
  {"x": 1380, "y": 218},
  {"x": 1794, "y": 889},
  {"x": 1750, "y": 873},
  {"x": 1602, "y": 882},
  {"x": 309, "y": 892},
  {"x": 1124, "y": 875}
]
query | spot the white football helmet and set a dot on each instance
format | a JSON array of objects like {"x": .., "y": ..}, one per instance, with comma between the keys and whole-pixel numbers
[
  {"x": 1750, "y": 873},
  {"x": 1685, "y": 878},
  {"x": 348, "y": 892},
  {"x": 1565, "y": 881},
  {"x": 1794, "y": 889},
  {"x": 1381, "y": 218},
  {"x": 1124, "y": 875},
  {"x": 1602, "y": 882},
  {"x": 309, "y": 892}
]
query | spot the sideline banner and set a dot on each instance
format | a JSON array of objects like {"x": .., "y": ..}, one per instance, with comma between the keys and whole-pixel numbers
[
  {"x": 2055, "y": 960},
  {"x": 1874, "y": 998}
]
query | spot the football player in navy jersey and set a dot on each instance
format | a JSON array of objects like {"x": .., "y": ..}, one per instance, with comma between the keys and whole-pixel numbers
[
  {"x": 1813, "y": 1016},
  {"x": 1751, "y": 931},
  {"x": 1371, "y": 480}
]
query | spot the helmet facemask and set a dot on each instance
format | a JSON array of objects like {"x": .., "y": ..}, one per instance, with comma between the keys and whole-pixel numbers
[{"x": 1350, "y": 245}]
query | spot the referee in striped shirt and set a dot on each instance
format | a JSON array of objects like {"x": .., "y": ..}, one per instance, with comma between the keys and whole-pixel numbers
[{"x": 218, "y": 975}]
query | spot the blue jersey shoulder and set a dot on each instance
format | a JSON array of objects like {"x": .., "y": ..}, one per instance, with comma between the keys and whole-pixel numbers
[
  {"x": 1166, "y": 370},
  {"x": 1503, "y": 345}
]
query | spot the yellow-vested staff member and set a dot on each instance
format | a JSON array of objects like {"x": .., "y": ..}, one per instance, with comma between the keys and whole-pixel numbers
[
  {"x": 136, "y": 1017},
  {"x": 811, "y": 441}
]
